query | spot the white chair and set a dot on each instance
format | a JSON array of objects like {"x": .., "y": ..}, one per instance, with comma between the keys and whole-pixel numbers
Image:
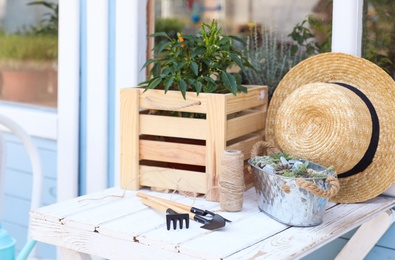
[{"x": 36, "y": 197}]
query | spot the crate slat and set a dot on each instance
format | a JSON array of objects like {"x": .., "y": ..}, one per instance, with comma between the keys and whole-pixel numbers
[
  {"x": 173, "y": 101},
  {"x": 250, "y": 122},
  {"x": 180, "y": 180},
  {"x": 173, "y": 152},
  {"x": 129, "y": 127},
  {"x": 173, "y": 126},
  {"x": 255, "y": 97}
]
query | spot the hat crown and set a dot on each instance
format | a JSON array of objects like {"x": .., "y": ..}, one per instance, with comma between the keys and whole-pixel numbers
[{"x": 324, "y": 123}]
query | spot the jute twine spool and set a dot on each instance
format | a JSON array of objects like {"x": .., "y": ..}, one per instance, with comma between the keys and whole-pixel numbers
[{"x": 231, "y": 181}]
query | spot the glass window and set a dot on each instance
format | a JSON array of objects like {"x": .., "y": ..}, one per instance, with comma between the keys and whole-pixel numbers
[
  {"x": 277, "y": 33},
  {"x": 378, "y": 38},
  {"x": 28, "y": 52}
]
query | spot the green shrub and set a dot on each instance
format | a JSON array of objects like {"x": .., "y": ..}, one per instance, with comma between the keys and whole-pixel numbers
[
  {"x": 21, "y": 52},
  {"x": 271, "y": 56},
  {"x": 28, "y": 47}
]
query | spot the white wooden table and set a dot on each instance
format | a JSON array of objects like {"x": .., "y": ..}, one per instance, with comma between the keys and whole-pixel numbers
[{"x": 113, "y": 226}]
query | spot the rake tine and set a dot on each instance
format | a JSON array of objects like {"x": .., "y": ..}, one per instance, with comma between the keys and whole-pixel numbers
[
  {"x": 171, "y": 215},
  {"x": 174, "y": 217}
]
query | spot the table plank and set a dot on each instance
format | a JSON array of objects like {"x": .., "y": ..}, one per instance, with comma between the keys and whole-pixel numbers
[
  {"x": 296, "y": 242},
  {"x": 58, "y": 211},
  {"x": 109, "y": 225},
  {"x": 96, "y": 244}
]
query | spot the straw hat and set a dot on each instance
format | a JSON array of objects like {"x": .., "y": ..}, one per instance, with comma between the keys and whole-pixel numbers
[{"x": 338, "y": 109}]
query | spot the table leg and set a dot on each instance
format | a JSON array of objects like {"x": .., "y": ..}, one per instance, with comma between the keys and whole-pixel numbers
[{"x": 367, "y": 236}]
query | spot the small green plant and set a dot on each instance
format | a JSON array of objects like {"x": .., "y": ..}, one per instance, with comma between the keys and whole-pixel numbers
[
  {"x": 49, "y": 22},
  {"x": 304, "y": 35},
  {"x": 197, "y": 63},
  {"x": 292, "y": 168},
  {"x": 272, "y": 57}
]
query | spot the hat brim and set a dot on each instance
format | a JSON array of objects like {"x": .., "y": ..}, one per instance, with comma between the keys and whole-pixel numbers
[{"x": 377, "y": 86}]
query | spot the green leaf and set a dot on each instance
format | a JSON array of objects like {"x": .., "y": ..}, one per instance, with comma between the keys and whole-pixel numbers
[
  {"x": 294, "y": 49},
  {"x": 178, "y": 44},
  {"x": 148, "y": 62},
  {"x": 198, "y": 87},
  {"x": 189, "y": 37},
  {"x": 224, "y": 41},
  {"x": 183, "y": 87},
  {"x": 154, "y": 83},
  {"x": 169, "y": 61},
  {"x": 310, "y": 50},
  {"x": 210, "y": 88},
  {"x": 236, "y": 59},
  {"x": 194, "y": 67},
  {"x": 209, "y": 80},
  {"x": 159, "y": 48},
  {"x": 198, "y": 51},
  {"x": 237, "y": 39},
  {"x": 229, "y": 81},
  {"x": 181, "y": 65},
  {"x": 191, "y": 81},
  {"x": 156, "y": 69},
  {"x": 144, "y": 82},
  {"x": 243, "y": 89},
  {"x": 168, "y": 82},
  {"x": 238, "y": 79},
  {"x": 167, "y": 71},
  {"x": 299, "y": 39}
]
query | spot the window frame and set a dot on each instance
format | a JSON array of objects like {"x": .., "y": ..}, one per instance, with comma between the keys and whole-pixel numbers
[{"x": 37, "y": 121}]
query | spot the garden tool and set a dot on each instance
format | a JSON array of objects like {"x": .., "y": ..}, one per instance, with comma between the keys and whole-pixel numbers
[
  {"x": 215, "y": 222},
  {"x": 197, "y": 211},
  {"x": 171, "y": 215}
]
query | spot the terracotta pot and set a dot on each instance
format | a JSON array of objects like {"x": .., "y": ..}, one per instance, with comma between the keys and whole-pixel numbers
[{"x": 24, "y": 86}]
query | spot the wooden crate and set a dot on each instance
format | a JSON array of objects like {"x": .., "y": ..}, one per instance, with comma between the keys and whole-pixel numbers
[{"x": 149, "y": 159}]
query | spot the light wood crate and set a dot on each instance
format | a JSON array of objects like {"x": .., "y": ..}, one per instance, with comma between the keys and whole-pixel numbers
[{"x": 232, "y": 123}]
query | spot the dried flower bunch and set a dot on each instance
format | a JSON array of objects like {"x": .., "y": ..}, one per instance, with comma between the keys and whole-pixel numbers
[
  {"x": 288, "y": 166},
  {"x": 198, "y": 63}
]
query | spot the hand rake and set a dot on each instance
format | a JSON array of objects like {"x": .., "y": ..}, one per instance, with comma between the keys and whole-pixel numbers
[
  {"x": 171, "y": 215},
  {"x": 216, "y": 221}
]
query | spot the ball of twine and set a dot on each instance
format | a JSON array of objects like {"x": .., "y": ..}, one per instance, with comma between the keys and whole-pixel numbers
[{"x": 231, "y": 181}]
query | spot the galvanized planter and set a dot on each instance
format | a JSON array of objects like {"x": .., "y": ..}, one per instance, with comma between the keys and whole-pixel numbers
[{"x": 282, "y": 199}]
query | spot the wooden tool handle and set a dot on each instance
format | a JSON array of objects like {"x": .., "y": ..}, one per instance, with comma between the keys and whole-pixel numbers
[
  {"x": 161, "y": 204},
  {"x": 155, "y": 205},
  {"x": 168, "y": 202}
]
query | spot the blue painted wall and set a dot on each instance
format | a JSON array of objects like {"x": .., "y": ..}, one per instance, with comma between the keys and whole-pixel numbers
[{"x": 18, "y": 189}]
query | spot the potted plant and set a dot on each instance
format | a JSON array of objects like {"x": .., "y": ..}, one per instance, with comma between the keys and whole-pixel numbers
[
  {"x": 197, "y": 78},
  {"x": 291, "y": 190},
  {"x": 27, "y": 65},
  {"x": 198, "y": 63}
]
